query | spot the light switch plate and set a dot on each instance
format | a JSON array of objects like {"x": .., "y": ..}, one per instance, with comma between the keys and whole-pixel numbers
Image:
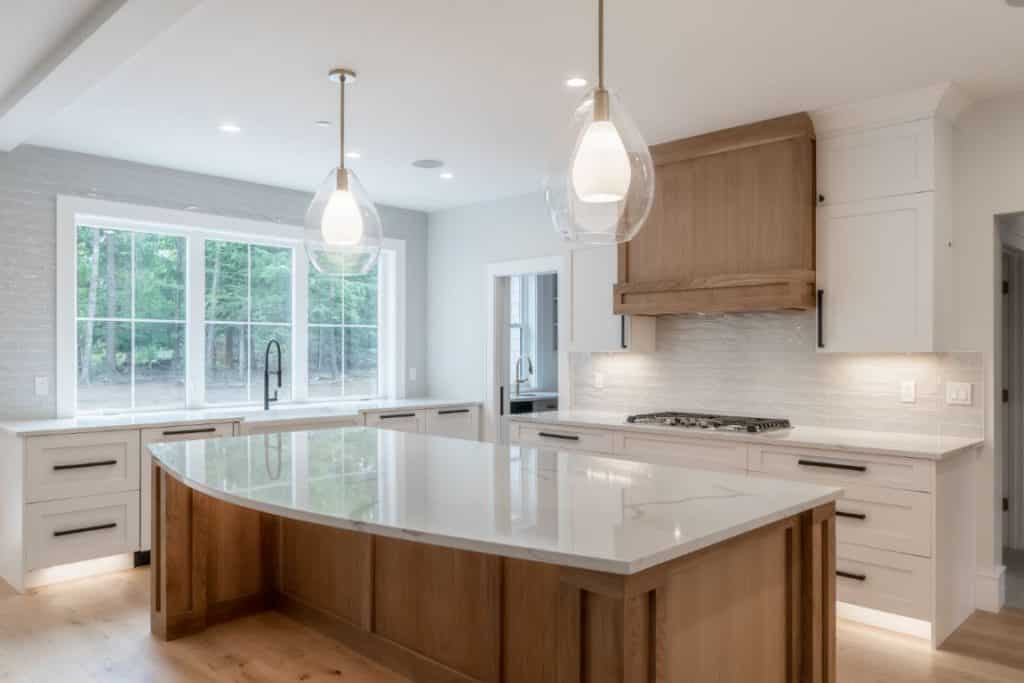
[
  {"x": 42, "y": 386},
  {"x": 959, "y": 393},
  {"x": 599, "y": 380},
  {"x": 908, "y": 391}
]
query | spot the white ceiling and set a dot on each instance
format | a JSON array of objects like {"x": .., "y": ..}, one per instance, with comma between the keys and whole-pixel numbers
[{"x": 479, "y": 83}]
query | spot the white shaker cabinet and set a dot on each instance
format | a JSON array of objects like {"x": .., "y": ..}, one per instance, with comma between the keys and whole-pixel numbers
[
  {"x": 878, "y": 262},
  {"x": 884, "y": 224},
  {"x": 593, "y": 327}
]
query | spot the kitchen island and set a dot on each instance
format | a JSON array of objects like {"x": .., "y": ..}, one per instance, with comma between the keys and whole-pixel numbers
[{"x": 452, "y": 560}]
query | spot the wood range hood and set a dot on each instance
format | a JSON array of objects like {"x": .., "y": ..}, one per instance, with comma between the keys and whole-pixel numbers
[{"x": 732, "y": 226}]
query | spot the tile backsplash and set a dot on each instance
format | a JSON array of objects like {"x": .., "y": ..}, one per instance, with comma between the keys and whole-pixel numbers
[{"x": 765, "y": 364}]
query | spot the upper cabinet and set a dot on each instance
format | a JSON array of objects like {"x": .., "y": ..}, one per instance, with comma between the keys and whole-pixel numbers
[
  {"x": 593, "y": 326},
  {"x": 884, "y": 240},
  {"x": 732, "y": 227}
]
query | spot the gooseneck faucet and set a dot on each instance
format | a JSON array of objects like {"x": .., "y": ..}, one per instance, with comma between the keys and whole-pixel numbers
[
  {"x": 267, "y": 400},
  {"x": 522, "y": 379}
]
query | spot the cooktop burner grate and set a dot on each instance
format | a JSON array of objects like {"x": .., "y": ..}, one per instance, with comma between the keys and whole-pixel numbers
[{"x": 731, "y": 423}]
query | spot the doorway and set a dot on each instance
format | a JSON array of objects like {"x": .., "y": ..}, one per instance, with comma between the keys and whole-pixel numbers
[
  {"x": 527, "y": 371},
  {"x": 1011, "y": 403}
]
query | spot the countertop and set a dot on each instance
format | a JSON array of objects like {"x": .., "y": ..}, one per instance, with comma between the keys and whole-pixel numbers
[
  {"x": 251, "y": 414},
  {"x": 927, "y": 446},
  {"x": 549, "y": 505}
]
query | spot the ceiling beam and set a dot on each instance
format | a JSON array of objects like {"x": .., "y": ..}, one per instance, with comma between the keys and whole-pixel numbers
[{"x": 111, "y": 35}]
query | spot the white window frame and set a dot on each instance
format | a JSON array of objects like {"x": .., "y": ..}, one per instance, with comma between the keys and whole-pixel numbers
[{"x": 197, "y": 227}]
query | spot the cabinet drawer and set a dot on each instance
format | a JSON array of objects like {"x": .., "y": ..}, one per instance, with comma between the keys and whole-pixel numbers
[
  {"x": 76, "y": 529},
  {"x": 702, "y": 454},
  {"x": 884, "y": 580},
  {"x": 398, "y": 420},
  {"x": 557, "y": 436},
  {"x": 262, "y": 427},
  {"x": 843, "y": 469},
  {"x": 900, "y": 521},
  {"x": 73, "y": 465},
  {"x": 192, "y": 432},
  {"x": 461, "y": 422}
]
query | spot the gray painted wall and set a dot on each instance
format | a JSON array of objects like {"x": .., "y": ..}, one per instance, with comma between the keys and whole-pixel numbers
[
  {"x": 462, "y": 242},
  {"x": 30, "y": 180}
]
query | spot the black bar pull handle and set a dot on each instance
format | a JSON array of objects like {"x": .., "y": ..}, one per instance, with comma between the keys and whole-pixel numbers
[
  {"x": 851, "y": 575},
  {"x": 622, "y": 332},
  {"x": 394, "y": 415},
  {"x": 84, "y": 529},
  {"x": 196, "y": 430},
  {"x": 566, "y": 437},
  {"x": 852, "y": 515},
  {"x": 832, "y": 465},
  {"x": 454, "y": 411},
  {"x": 821, "y": 318},
  {"x": 83, "y": 465}
]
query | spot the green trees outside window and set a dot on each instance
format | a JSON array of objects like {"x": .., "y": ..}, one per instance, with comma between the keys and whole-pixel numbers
[
  {"x": 132, "y": 322},
  {"x": 130, "y": 319}
]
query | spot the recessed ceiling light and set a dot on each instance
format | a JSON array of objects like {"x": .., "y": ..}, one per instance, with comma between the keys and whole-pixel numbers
[
  {"x": 576, "y": 82},
  {"x": 428, "y": 163},
  {"x": 229, "y": 128},
  {"x": 447, "y": 176},
  {"x": 191, "y": 207},
  {"x": 322, "y": 124},
  {"x": 352, "y": 155}
]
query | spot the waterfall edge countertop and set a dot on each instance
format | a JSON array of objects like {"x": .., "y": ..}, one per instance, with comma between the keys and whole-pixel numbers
[
  {"x": 925, "y": 446},
  {"x": 251, "y": 414},
  {"x": 558, "y": 506}
]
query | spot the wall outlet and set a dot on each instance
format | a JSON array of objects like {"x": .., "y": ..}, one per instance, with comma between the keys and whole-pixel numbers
[
  {"x": 908, "y": 391},
  {"x": 959, "y": 393},
  {"x": 42, "y": 386},
  {"x": 599, "y": 380},
  {"x": 412, "y": 374}
]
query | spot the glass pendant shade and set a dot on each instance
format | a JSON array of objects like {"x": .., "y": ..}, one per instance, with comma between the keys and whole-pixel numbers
[
  {"x": 600, "y": 185},
  {"x": 343, "y": 230}
]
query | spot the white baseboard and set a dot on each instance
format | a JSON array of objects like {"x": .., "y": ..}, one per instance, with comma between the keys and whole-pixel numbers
[
  {"x": 990, "y": 589},
  {"x": 890, "y": 622}
]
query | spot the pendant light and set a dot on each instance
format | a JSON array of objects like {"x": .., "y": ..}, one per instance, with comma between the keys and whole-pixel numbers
[
  {"x": 600, "y": 186},
  {"x": 343, "y": 233}
]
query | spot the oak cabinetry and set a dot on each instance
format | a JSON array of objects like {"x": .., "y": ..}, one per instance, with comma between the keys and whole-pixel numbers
[
  {"x": 732, "y": 226},
  {"x": 193, "y": 432}
]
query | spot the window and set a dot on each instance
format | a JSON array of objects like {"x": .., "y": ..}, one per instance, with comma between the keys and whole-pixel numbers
[
  {"x": 130, "y": 319},
  {"x": 248, "y": 303},
  {"x": 343, "y": 343},
  {"x": 167, "y": 310},
  {"x": 522, "y": 328}
]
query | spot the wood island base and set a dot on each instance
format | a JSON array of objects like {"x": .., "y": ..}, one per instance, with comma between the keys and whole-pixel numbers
[{"x": 758, "y": 607}]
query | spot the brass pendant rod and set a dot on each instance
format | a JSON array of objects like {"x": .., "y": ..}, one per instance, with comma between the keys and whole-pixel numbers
[
  {"x": 600, "y": 44},
  {"x": 341, "y": 122}
]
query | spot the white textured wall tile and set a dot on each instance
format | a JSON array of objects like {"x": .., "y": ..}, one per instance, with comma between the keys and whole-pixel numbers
[
  {"x": 765, "y": 364},
  {"x": 30, "y": 180}
]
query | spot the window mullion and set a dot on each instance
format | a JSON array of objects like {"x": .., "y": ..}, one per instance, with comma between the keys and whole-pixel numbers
[
  {"x": 195, "y": 322},
  {"x": 131, "y": 342},
  {"x": 300, "y": 325}
]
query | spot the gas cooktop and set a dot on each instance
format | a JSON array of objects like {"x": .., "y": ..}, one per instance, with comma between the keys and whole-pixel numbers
[{"x": 728, "y": 423}]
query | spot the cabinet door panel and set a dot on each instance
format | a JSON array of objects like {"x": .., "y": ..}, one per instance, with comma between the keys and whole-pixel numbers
[
  {"x": 878, "y": 162},
  {"x": 593, "y": 326},
  {"x": 875, "y": 270}
]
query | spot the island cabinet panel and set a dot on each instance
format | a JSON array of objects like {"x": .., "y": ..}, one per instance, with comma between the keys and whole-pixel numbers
[
  {"x": 732, "y": 226},
  {"x": 440, "y": 602},
  {"x": 330, "y": 569},
  {"x": 756, "y": 607}
]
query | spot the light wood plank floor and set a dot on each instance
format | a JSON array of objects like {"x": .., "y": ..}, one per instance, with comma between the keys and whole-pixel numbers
[{"x": 98, "y": 630}]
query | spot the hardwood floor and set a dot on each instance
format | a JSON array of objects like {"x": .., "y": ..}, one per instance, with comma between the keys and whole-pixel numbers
[{"x": 98, "y": 630}]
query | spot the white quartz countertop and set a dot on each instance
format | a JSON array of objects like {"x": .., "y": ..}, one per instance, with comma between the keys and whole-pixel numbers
[
  {"x": 252, "y": 414},
  {"x": 548, "y": 505},
  {"x": 927, "y": 446}
]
